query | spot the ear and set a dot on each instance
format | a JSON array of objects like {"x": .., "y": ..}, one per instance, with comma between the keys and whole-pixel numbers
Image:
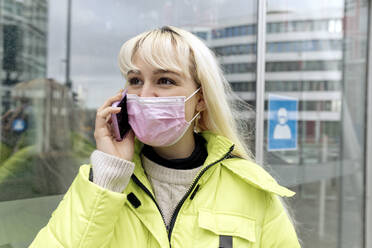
[{"x": 201, "y": 106}]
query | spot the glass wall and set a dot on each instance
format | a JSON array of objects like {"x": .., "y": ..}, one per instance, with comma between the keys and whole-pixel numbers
[
  {"x": 315, "y": 103},
  {"x": 47, "y": 126},
  {"x": 316, "y": 64}
]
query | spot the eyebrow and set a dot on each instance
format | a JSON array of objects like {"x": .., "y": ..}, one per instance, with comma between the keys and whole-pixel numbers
[
  {"x": 159, "y": 71},
  {"x": 134, "y": 72}
]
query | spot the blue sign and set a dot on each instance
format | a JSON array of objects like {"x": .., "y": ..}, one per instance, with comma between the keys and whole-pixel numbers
[
  {"x": 282, "y": 123},
  {"x": 19, "y": 125}
]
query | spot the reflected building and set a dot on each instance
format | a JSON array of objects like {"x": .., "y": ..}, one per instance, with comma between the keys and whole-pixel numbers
[
  {"x": 23, "y": 46},
  {"x": 47, "y": 146},
  {"x": 49, "y": 107},
  {"x": 303, "y": 60}
]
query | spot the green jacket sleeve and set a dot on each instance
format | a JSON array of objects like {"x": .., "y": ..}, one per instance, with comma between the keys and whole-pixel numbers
[
  {"x": 84, "y": 218},
  {"x": 278, "y": 230}
]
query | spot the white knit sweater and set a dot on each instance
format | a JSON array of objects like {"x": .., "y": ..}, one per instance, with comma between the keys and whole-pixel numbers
[{"x": 169, "y": 185}]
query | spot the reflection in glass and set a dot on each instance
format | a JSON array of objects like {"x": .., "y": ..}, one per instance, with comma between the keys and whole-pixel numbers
[
  {"x": 47, "y": 128},
  {"x": 314, "y": 54}
]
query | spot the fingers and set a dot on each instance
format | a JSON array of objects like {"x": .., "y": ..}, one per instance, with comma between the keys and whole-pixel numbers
[
  {"x": 111, "y": 100},
  {"x": 103, "y": 125},
  {"x": 109, "y": 110},
  {"x": 108, "y": 119},
  {"x": 111, "y": 128},
  {"x": 105, "y": 114}
]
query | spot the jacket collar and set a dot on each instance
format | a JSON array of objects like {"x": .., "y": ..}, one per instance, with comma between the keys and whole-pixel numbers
[
  {"x": 247, "y": 170},
  {"x": 217, "y": 147},
  {"x": 256, "y": 176}
]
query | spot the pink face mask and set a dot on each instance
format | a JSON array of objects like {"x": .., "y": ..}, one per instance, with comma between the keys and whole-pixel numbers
[{"x": 158, "y": 121}]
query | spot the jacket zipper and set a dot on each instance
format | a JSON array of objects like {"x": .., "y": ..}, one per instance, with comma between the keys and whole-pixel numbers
[
  {"x": 179, "y": 205},
  {"x": 138, "y": 182}
]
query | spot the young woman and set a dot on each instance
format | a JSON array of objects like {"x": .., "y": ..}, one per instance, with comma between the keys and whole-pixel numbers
[{"x": 183, "y": 176}]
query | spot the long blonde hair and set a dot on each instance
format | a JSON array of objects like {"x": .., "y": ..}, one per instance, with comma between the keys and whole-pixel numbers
[{"x": 177, "y": 49}]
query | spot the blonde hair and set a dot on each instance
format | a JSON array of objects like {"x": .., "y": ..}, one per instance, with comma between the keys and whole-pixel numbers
[{"x": 166, "y": 49}]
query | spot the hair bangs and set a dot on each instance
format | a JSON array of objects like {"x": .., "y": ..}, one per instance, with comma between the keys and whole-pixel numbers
[{"x": 162, "y": 50}]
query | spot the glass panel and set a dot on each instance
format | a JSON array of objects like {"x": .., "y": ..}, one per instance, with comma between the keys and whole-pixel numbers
[
  {"x": 315, "y": 114},
  {"x": 47, "y": 127}
]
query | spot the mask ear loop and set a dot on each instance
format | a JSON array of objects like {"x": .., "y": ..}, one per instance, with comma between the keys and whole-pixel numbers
[
  {"x": 196, "y": 91},
  {"x": 198, "y": 114}
]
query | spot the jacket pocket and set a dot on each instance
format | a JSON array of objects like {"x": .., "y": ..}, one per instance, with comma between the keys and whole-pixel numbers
[{"x": 224, "y": 229}]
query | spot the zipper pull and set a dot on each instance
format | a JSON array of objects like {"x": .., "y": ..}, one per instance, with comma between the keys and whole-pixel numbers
[
  {"x": 195, "y": 190},
  {"x": 132, "y": 198}
]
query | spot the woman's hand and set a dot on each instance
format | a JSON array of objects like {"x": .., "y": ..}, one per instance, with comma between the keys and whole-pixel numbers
[{"x": 104, "y": 134}]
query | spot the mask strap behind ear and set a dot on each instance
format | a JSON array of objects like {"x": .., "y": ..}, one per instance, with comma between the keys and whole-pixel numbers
[{"x": 192, "y": 94}]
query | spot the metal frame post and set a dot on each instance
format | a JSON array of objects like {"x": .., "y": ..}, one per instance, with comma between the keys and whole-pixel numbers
[
  {"x": 260, "y": 80},
  {"x": 68, "y": 45},
  {"x": 368, "y": 151}
]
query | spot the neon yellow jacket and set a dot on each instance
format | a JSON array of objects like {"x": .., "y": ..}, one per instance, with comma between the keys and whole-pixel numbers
[{"x": 231, "y": 203}]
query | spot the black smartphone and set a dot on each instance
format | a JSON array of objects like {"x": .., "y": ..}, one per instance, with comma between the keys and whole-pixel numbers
[{"x": 120, "y": 122}]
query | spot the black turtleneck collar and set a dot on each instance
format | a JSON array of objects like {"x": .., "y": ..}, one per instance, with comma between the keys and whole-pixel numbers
[{"x": 195, "y": 160}]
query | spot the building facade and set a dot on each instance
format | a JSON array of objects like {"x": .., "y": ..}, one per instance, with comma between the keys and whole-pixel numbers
[
  {"x": 23, "y": 47},
  {"x": 303, "y": 60}
]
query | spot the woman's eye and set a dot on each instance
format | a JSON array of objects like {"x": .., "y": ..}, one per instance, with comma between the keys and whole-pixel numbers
[
  {"x": 134, "y": 81},
  {"x": 166, "y": 81}
]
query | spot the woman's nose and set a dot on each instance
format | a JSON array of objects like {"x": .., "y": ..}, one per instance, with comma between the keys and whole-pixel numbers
[{"x": 147, "y": 90}]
